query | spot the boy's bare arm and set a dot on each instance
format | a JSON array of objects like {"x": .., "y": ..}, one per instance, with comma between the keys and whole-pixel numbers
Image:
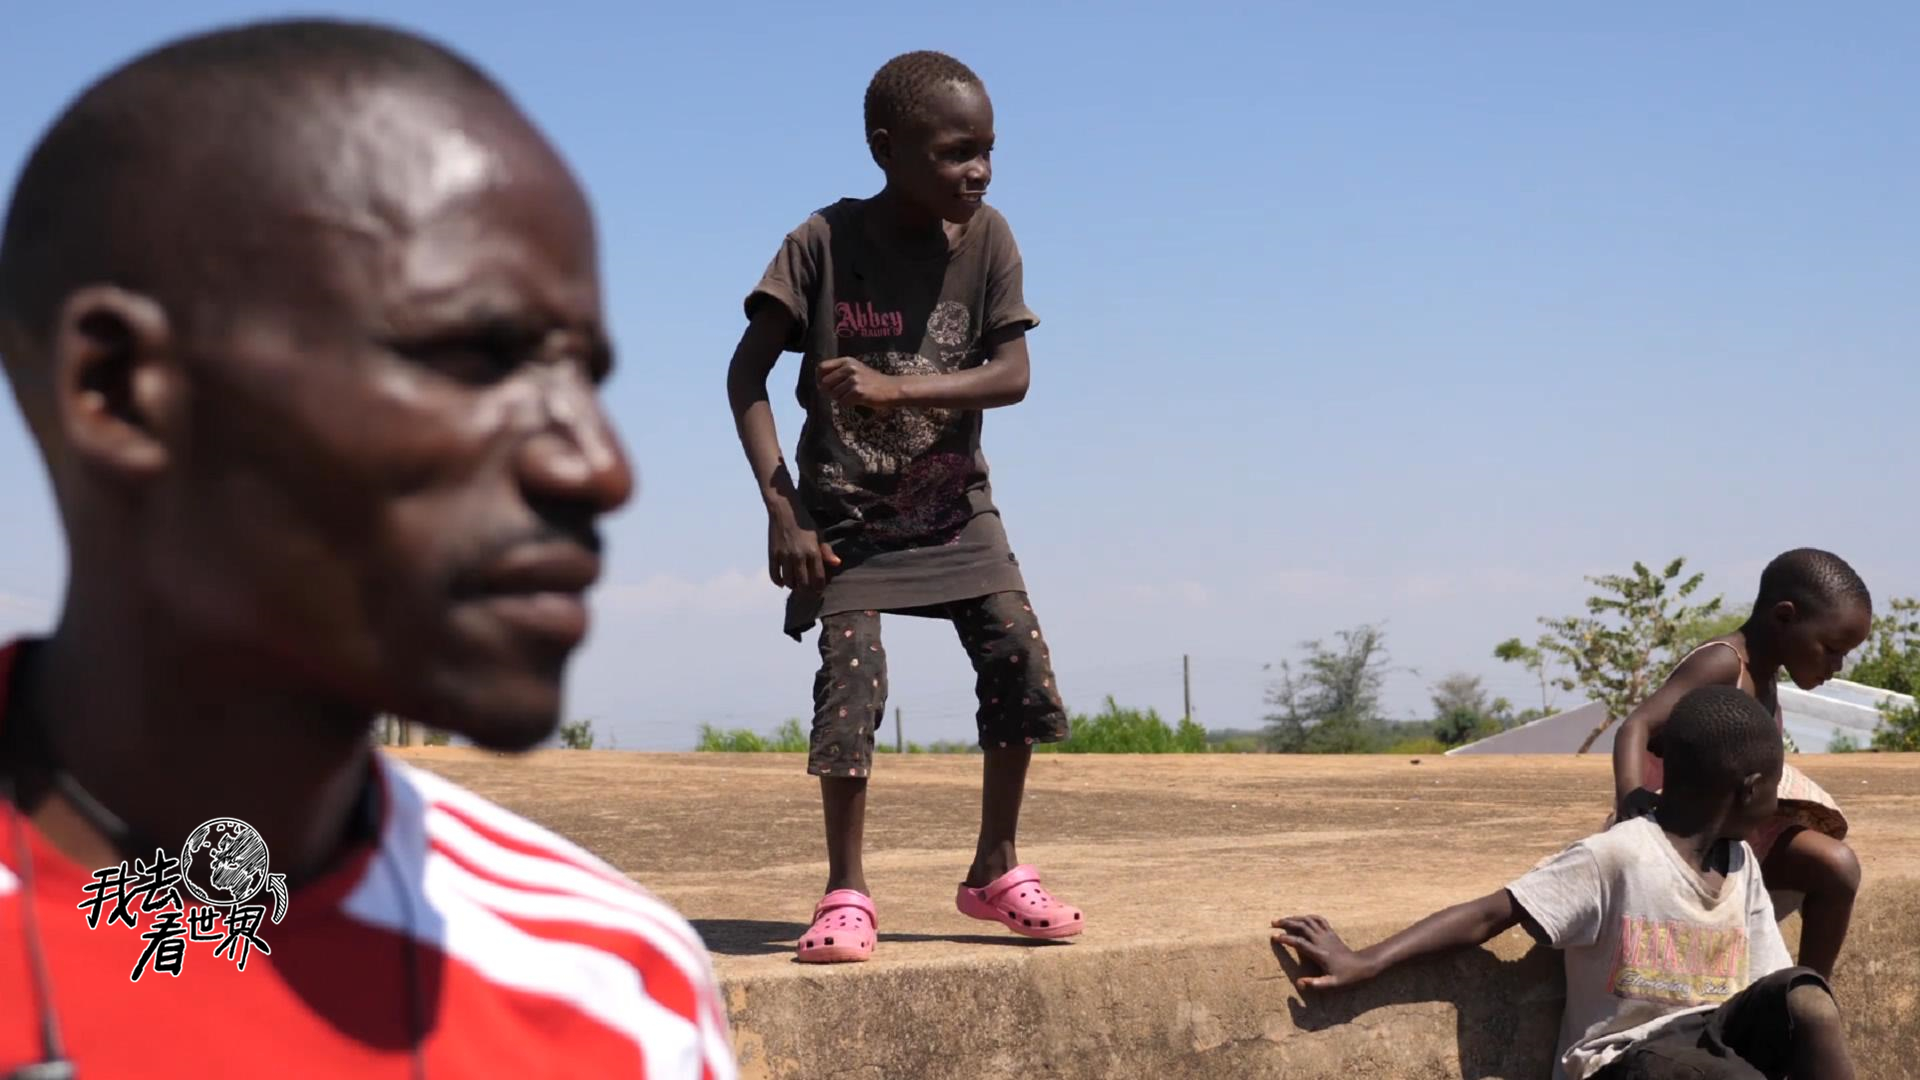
[
  {"x": 1712, "y": 667},
  {"x": 999, "y": 382},
  {"x": 753, "y": 360},
  {"x": 1459, "y": 927},
  {"x": 795, "y": 556}
]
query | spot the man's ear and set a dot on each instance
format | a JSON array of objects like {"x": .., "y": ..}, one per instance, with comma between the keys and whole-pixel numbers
[
  {"x": 115, "y": 382},
  {"x": 880, "y": 145},
  {"x": 1786, "y": 613},
  {"x": 1749, "y": 789}
]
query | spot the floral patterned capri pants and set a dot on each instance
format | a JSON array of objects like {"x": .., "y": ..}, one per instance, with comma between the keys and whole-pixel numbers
[{"x": 1019, "y": 699}]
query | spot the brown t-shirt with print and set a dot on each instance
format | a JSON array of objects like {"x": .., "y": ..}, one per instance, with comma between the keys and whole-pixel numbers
[{"x": 901, "y": 494}]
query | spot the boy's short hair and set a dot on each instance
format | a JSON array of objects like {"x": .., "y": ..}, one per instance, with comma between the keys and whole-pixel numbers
[
  {"x": 1813, "y": 580},
  {"x": 901, "y": 89},
  {"x": 1717, "y": 737}
]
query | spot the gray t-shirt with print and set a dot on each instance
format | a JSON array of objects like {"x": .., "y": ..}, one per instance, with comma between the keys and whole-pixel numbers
[
  {"x": 902, "y": 495},
  {"x": 1647, "y": 943}
]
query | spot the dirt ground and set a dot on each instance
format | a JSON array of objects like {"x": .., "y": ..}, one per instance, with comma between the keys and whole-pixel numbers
[{"x": 1172, "y": 847}]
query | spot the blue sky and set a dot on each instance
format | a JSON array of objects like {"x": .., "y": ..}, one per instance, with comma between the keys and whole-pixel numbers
[{"x": 1351, "y": 312}]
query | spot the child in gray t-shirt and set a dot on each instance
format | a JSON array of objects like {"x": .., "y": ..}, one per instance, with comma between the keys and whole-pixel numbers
[{"x": 1675, "y": 966}]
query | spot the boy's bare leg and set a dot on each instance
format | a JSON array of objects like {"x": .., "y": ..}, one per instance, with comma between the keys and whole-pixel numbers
[
  {"x": 1819, "y": 1036},
  {"x": 845, "y": 800},
  {"x": 1003, "y": 785},
  {"x": 1828, "y": 873}
]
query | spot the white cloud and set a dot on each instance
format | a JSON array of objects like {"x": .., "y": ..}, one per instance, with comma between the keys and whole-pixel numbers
[
  {"x": 730, "y": 592},
  {"x": 1487, "y": 581},
  {"x": 1301, "y": 583},
  {"x": 1429, "y": 587},
  {"x": 1190, "y": 594}
]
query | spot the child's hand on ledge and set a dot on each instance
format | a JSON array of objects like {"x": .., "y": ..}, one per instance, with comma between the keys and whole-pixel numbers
[{"x": 1313, "y": 938}]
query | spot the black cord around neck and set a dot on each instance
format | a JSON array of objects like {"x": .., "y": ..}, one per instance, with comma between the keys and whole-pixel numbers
[
  {"x": 23, "y": 742},
  {"x": 53, "y": 1063}
]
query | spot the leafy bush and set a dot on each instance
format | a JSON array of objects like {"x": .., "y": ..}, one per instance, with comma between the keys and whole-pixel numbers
[
  {"x": 942, "y": 746},
  {"x": 1239, "y": 744},
  {"x": 1462, "y": 713},
  {"x": 945, "y": 746},
  {"x": 1116, "y": 730},
  {"x": 1890, "y": 660},
  {"x": 738, "y": 741},
  {"x": 788, "y": 738},
  {"x": 1113, "y": 730},
  {"x": 1899, "y": 729}
]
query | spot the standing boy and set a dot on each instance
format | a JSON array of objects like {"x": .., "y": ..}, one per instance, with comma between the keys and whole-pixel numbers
[{"x": 908, "y": 311}]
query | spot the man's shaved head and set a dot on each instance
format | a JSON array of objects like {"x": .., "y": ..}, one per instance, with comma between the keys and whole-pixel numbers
[
  {"x": 189, "y": 144},
  {"x": 306, "y": 318}
]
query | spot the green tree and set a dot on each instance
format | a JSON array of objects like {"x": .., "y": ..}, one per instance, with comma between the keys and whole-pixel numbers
[
  {"x": 1626, "y": 642},
  {"x": 1462, "y": 713},
  {"x": 1890, "y": 660},
  {"x": 1457, "y": 727},
  {"x": 436, "y": 737},
  {"x": 1534, "y": 659},
  {"x": 1696, "y": 632},
  {"x": 1843, "y": 743},
  {"x": 1899, "y": 729},
  {"x": 577, "y": 735},
  {"x": 1331, "y": 703}
]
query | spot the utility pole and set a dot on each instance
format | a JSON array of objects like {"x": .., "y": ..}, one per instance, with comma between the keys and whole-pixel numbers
[
  {"x": 899, "y": 730},
  {"x": 1186, "y": 679}
]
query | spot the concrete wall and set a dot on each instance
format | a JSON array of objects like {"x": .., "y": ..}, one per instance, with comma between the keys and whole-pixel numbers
[{"x": 1225, "y": 1009}]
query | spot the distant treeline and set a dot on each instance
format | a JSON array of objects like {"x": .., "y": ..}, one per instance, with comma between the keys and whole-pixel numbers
[{"x": 1115, "y": 729}]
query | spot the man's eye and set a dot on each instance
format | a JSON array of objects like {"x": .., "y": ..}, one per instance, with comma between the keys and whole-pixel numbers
[
  {"x": 479, "y": 359},
  {"x": 468, "y": 364}
]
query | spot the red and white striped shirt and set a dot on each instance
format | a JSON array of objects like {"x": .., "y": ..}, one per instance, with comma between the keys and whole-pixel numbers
[{"x": 532, "y": 958}]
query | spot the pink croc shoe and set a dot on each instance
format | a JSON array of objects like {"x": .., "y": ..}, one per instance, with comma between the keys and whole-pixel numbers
[
  {"x": 1017, "y": 901},
  {"x": 843, "y": 930}
]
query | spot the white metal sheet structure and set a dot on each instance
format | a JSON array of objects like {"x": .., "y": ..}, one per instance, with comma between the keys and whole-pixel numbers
[{"x": 1814, "y": 718}]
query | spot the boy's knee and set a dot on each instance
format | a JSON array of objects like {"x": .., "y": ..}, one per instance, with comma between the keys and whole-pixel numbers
[
  {"x": 1811, "y": 1005},
  {"x": 1843, "y": 867}
]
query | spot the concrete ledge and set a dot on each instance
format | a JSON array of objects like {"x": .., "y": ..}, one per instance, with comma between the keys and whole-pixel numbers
[
  {"x": 1226, "y": 842},
  {"x": 1219, "y": 1010},
  {"x": 1225, "y": 1009}
]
